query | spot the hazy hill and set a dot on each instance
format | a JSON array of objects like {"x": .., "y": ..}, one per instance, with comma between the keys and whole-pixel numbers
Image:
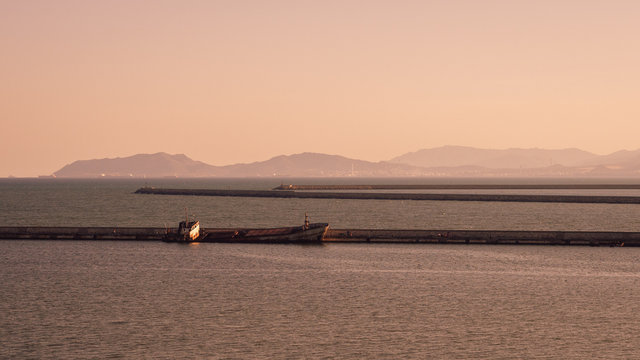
[
  {"x": 616, "y": 158},
  {"x": 320, "y": 165},
  {"x": 141, "y": 165},
  {"x": 618, "y": 164},
  {"x": 452, "y": 156}
]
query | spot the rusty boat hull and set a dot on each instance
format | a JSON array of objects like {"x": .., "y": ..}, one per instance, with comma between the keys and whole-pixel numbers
[{"x": 313, "y": 233}]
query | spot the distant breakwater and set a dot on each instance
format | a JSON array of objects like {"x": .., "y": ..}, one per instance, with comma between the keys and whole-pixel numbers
[
  {"x": 290, "y": 194},
  {"x": 460, "y": 187}
]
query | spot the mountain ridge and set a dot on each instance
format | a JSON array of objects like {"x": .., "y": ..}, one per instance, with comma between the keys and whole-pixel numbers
[
  {"x": 446, "y": 161},
  {"x": 492, "y": 158}
]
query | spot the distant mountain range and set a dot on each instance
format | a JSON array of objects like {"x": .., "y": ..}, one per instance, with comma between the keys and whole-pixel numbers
[
  {"x": 299, "y": 165},
  {"x": 446, "y": 161},
  {"x": 452, "y": 156}
]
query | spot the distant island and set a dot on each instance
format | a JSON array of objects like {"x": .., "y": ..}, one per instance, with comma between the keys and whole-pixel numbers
[{"x": 446, "y": 161}]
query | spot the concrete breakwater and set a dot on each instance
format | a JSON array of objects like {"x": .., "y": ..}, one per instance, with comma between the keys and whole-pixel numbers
[
  {"x": 461, "y": 187},
  {"x": 505, "y": 237},
  {"x": 81, "y": 233},
  {"x": 585, "y": 199}
]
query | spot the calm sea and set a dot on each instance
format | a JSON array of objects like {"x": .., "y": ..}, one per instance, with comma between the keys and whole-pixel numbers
[{"x": 83, "y": 299}]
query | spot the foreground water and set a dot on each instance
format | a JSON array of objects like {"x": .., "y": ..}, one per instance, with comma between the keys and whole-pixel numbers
[
  {"x": 66, "y": 299},
  {"x": 155, "y": 300}
]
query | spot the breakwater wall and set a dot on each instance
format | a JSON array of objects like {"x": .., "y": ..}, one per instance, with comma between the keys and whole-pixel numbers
[
  {"x": 289, "y": 194},
  {"x": 461, "y": 187},
  {"x": 495, "y": 237},
  {"x": 81, "y": 233},
  {"x": 505, "y": 237}
]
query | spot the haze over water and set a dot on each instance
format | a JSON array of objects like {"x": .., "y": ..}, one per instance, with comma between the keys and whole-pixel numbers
[{"x": 87, "y": 299}]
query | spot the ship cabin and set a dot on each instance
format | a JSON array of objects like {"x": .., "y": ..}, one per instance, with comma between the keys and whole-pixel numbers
[{"x": 189, "y": 230}]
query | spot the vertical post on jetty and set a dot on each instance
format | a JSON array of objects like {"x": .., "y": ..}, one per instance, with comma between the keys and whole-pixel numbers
[
  {"x": 186, "y": 224},
  {"x": 306, "y": 221}
]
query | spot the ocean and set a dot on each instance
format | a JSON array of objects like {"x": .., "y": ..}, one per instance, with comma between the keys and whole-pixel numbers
[{"x": 104, "y": 299}]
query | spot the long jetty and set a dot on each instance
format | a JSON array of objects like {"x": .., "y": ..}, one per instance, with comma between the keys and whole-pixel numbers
[
  {"x": 379, "y": 236},
  {"x": 290, "y": 194}
]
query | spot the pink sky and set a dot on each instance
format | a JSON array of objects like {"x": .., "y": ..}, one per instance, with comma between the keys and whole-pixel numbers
[{"x": 242, "y": 81}]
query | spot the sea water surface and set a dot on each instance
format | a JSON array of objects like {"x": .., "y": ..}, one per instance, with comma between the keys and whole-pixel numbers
[{"x": 104, "y": 299}]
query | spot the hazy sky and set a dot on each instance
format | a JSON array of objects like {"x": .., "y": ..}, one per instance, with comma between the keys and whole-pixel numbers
[{"x": 242, "y": 81}]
